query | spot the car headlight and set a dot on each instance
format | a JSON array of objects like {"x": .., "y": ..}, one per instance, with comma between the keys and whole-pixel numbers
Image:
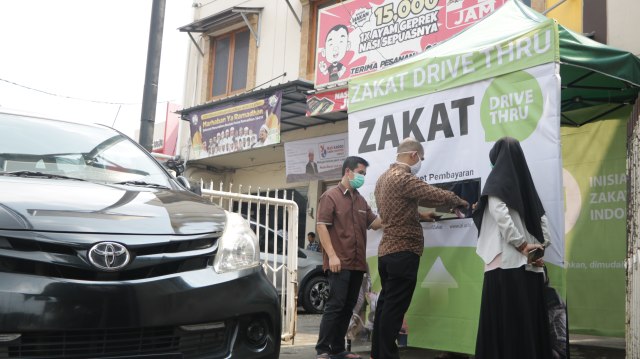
[{"x": 238, "y": 247}]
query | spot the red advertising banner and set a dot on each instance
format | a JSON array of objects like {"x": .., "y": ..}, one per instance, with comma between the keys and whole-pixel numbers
[
  {"x": 325, "y": 102},
  {"x": 165, "y": 134},
  {"x": 362, "y": 36}
]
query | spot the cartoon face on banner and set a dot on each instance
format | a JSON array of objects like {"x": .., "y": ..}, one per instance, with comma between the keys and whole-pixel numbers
[{"x": 361, "y": 36}]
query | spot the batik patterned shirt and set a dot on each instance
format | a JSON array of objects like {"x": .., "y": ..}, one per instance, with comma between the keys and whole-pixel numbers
[{"x": 398, "y": 194}]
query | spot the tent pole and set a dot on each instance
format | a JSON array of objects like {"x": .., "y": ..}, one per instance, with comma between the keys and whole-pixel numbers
[{"x": 553, "y": 7}]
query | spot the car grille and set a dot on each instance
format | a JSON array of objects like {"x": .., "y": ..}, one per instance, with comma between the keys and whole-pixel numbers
[
  {"x": 18, "y": 255},
  {"x": 120, "y": 343}
]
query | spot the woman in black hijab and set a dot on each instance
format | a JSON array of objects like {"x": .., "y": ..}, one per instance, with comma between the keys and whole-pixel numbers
[{"x": 511, "y": 223}]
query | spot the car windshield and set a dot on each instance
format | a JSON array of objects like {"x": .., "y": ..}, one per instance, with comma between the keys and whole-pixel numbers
[{"x": 38, "y": 147}]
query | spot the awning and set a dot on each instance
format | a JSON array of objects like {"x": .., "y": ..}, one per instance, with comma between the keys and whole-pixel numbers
[
  {"x": 222, "y": 20},
  {"x": 219, "y": 20},
  {"x": 293, "y": 110},
  {"x": 292, "y": 113}
]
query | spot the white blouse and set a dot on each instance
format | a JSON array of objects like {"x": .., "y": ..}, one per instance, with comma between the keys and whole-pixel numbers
[{"x": 501, "y": 233}]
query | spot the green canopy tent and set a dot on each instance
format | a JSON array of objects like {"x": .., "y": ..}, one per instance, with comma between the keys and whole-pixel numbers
[
  {"x": 592, "y": 73},
  {"x": 597, "y": 82}
]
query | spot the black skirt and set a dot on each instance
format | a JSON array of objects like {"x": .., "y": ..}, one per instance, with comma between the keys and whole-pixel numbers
[{"x": 513, "y": 316}]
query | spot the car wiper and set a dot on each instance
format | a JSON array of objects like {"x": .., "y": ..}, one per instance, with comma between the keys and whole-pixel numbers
[
  {"x": 38, "y": 175},
  {"x": 142, "y": 184}
]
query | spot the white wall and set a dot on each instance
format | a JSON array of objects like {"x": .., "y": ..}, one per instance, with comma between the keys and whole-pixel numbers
[
  {"x": 278, "y": 51},
  {"x": 622, "y": 25}
]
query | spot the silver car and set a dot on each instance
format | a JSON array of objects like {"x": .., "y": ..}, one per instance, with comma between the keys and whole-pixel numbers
[{"x": 313, "y": 287}]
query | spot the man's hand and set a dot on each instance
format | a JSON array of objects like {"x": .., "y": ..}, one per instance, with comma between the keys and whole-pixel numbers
[
  {"x": 464, "y": 206},
  {"x": 334, "y": 263},
  {"x": 376, "y": 224}
]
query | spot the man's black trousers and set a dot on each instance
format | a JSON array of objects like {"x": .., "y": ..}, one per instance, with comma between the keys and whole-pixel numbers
[
  {"x": 398, "y": 274},
  {"x": 344, "y": 288}
]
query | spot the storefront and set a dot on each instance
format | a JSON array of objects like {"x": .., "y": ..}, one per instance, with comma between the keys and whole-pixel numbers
[{"x": 244, "y": 144}]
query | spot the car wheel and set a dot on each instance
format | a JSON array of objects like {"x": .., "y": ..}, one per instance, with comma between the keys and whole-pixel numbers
[{"x": 315, "y": 295}]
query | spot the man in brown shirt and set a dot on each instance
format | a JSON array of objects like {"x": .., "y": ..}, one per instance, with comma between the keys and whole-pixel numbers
[
  {"x": 343, "y": 219},
  {"x": 398, "y": 194}
]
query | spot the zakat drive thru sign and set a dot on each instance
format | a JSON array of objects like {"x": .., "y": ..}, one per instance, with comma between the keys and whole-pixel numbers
[
  {"x": 362, "y": 36},
  {"x": 457, "y": 105}
]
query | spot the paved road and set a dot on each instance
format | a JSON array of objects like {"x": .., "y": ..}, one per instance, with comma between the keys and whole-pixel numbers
[{"x": 582, "y": 347}]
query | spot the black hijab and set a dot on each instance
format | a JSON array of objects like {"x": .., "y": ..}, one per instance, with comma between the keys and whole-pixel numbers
[{"x": 510, "y": 180}]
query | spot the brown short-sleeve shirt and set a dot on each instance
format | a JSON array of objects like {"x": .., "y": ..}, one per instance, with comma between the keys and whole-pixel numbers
[{"x": 347, "y": 216}]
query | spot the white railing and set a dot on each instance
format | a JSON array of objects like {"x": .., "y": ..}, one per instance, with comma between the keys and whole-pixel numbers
[{"x": 267, "y": 215}]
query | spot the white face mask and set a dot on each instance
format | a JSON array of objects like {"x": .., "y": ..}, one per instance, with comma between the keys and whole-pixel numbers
[{"x": 415, "y": 168}]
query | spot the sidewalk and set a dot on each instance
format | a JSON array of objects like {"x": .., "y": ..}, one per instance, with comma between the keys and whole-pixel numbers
[{"x": 581, "y": 346}]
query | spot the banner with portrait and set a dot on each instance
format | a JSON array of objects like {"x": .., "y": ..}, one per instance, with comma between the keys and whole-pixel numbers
[
  {"x": 318, "y": 158},
  {"x": 240, "y": 126}
]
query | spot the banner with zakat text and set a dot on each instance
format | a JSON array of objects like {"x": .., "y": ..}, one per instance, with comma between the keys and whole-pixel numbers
[
  {"x": 595, "y": 187},
  {"x": 458, "y": 128}
]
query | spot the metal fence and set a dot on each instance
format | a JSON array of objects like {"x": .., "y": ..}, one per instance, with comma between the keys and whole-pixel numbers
[{"x": 275, "y": 222}]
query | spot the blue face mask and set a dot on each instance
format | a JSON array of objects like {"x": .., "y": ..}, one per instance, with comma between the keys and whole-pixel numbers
[{"x": 357, "y": 181}]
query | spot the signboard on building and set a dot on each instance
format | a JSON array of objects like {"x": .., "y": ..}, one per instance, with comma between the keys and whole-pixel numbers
[
  {"x": 318, "y": 158},
  {"x": 165, "y": 134},
  {"x": 457, "y": 113},
  {"x": 363, "y": 36},
  {"x": 325, "y": 102},
  {"x": 229, "y": 128}
]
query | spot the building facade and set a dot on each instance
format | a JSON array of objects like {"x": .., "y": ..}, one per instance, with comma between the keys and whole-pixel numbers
[{"x": 245, "y": 53}]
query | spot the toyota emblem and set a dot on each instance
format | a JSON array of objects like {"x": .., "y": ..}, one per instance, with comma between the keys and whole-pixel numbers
[{"x": 109, "y": 256}]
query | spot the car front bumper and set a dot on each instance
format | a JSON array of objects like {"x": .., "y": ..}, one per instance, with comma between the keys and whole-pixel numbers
[{"x": 193, "y": 314}]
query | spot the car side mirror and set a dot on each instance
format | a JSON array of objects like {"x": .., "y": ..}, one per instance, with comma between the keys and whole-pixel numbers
[{"x": 184, "y": 182}]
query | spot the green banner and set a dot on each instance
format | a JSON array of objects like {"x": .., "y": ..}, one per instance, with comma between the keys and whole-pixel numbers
[
  {"x": 424, "y": 76},
  {"x": 445, "y": 306},
  {"x": 594, "y": 161}
]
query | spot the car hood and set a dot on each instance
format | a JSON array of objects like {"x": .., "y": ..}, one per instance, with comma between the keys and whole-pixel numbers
[{"x": 85, "y": 207}]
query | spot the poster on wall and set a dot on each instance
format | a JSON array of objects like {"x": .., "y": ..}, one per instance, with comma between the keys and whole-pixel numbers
[
  {"x": 362, "y": 36},
  {"x": 165, "y": 134},
  {"x": 325, "y": 102},
  {"x": 318, "y": 158},
  {"x": 244, "y": 125}
]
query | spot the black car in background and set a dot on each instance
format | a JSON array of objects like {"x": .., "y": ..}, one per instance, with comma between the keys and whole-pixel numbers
[{"x": 103, "y": 254}]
